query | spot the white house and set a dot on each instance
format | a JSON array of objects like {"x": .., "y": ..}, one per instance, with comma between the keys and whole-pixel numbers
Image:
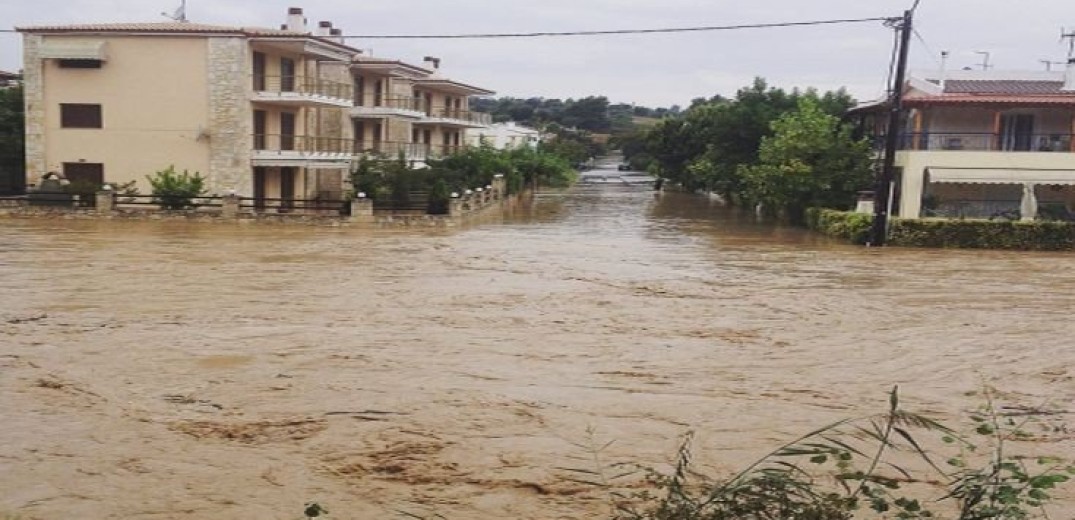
[
  {"x": 981, "y": 144},
  {"x": 504, "y": 136}
]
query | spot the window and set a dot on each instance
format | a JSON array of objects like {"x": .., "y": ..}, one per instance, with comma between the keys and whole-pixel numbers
[
  {"x": 76, "y": 115},
  {"x": 80, "y": 64},
  {"x": 88, "y": 174}
]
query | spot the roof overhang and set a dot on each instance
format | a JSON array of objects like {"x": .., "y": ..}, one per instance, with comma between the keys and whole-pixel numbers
[
  {"x": 317, "y": 49},
  {"x": 454, "y": 87},
  {"x": 390, "y": 68},
  {"x": 953, "y": 100},
  {"x": 1000, "y": 176},
  {"x": 74, "y": 50}
]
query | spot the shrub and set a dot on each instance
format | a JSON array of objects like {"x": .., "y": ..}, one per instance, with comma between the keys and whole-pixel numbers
[
  {"x": 984, "y": 234},
  {"x": 970, "y": 234},
  {"x": 853, "y": 227},
  {"x": 176, "y": 190}
]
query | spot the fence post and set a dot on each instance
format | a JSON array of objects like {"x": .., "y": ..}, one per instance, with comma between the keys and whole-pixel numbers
[
  {"x": 362, "y": 209},
  {"x": 500, "y": 186},
  {"x": 455, "y": 207},
  {"x": 229, "y": 206},
  {"x": 106, "y": 200}
]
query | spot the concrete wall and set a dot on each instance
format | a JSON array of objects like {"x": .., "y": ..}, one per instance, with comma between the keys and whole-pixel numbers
[{"x": 155, "y": 106}]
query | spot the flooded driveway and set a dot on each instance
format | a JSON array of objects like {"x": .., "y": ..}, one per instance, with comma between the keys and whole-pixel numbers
[{"x": 165, "y": 370}]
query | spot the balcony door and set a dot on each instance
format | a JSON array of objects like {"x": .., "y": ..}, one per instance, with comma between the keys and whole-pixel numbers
[
  {"x": 360, "y": 91},
  {"x": 1017, "y": 132},
  {"x": 287, "y": 131},
  {"x": 259, "y": 71},
  {"x": 287, "y": 75},
  {"x": 260, "y": 118}
]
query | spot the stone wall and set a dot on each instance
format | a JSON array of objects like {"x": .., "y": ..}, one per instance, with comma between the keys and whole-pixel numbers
[
  {"x": 230, "y": 117},
  {"x": 34, "y": 93}
]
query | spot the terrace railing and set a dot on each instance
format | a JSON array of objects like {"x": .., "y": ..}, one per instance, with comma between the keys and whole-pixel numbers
[
  {"x": 987, "y": 142},
  {"x": 284, "y": 143},
  {"x": 302, "y": 85}
]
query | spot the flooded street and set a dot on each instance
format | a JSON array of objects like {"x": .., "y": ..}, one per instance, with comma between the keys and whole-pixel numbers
[{"x": 157, "y": 370}]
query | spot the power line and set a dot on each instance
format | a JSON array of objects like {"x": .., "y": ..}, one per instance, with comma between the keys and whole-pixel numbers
[
  {"x": 606, "y": 32},
  {"x": 616, "y": 31}
]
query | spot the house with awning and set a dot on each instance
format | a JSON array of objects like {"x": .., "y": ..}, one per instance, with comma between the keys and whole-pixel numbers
[{"x": 984, "y": 144}]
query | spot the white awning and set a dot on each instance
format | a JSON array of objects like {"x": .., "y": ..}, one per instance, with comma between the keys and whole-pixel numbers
[
  {"x": 999, "y": 176},
  {"x": 74, "y": 51}
]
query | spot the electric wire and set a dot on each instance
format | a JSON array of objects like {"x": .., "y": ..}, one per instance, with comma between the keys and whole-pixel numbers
[{"x": 612, "y": 32}]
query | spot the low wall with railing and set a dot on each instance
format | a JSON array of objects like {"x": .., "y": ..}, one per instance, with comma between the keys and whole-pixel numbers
[{"x": 470, "y": 206}]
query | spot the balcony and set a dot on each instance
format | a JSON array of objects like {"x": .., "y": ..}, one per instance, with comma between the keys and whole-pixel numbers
[
  {"x": 302, "y": 151},
  {"x": 457, "y": 117},
  {"x": 410, "y": 151},
  {"x": 375, "y": 107},
  {"x": 987, "y": 142},
  {"x": 301, "y": 91}
]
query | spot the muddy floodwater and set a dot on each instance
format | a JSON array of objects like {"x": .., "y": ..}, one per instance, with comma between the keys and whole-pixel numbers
[{"x": 158, "y": 370}]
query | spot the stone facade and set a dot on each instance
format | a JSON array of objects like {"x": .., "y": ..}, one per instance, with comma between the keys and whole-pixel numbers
[
  {"x": 34, "y": 94},
  {"x": 230, "y": 117}
]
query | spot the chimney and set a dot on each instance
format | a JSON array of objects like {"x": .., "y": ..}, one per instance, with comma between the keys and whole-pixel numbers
[
  {"x": 337, "y": 35},
  {"x": 944, "y": 70},
  {"x": 324, "y": 29},
  {"x": 1069, "y": 76},
  {"x": 434, "y": 62},
  {"x": 295, "y": 20}
]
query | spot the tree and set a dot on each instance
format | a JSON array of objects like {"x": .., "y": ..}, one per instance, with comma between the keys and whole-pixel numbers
[{"x": 810, "y": 160}]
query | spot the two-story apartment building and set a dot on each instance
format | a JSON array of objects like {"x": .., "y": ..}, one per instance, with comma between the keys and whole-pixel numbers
[
  {"x": 270, "y": 114},
  {"x": 505, "y": 136},
  {"x": 981, "y": 144}
]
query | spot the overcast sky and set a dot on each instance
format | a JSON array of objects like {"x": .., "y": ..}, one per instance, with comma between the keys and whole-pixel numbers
[{"x": 653, "y": 70}]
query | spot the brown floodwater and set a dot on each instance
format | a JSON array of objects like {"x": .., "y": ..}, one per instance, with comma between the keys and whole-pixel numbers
[{"x": 157, "y": 370}]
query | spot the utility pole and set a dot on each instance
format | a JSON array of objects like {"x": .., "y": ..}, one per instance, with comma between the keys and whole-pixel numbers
[{"x": 883, "y": 189}]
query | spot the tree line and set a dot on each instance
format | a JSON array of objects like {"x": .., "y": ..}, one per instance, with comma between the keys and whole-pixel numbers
[
  {"x": 594, "y": 114},
  {"x": 765, "y": 147}
]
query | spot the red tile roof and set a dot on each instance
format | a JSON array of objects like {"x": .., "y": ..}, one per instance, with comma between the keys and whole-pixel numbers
[
  {"x": 1015, "y": 87},
  {"x": 177, "y": 28}
]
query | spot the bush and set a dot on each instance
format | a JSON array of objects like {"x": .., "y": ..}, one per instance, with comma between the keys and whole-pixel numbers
[
  {"x": 967, "y": 234},
  {"x": 853, "y": 227},
  {"x": 984, "y": 234},
  {"x": 176, "y": 190}
]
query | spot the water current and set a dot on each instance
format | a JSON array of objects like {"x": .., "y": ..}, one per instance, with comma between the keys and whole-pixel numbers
[{"x": 153, "y": 370}]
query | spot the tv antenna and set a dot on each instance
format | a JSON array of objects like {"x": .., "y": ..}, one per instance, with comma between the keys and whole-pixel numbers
[
  {"x": 180, "y": 15},
  {"x": 985, "y": 59},
  {"x": 1049, "y": 64}
]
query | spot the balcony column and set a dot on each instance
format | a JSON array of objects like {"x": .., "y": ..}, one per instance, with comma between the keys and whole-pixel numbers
[
  {"x": 917, "y": 116},
  {"x": 996, "y": 130},
  {"x": 1071, "y": 136},
  {"x": 1028, "y": 207}
]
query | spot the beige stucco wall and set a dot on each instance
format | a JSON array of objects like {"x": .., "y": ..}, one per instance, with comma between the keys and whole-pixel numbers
[
  {"x": 982, "y": 120},
  {"x": 153, "y": 92},
  {"x": 915, "y": 163}
]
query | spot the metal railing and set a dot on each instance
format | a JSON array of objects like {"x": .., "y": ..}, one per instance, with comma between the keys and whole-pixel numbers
[
  {"x": 302, "y": 85},
  {"x": 296, "y": 206},
  {"x": 480, "y": 118},
  {"x": 410, "y": 150},
  {"x": 969, "y": 141},
  {"x": 154, "y": 200},
  {"x": 300, "y": 143},
  {"x": 414, "y": 104}
]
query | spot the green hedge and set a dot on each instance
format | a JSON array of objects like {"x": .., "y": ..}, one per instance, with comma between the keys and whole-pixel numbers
[
  {"x": 969, "y": 234},
  {"x": 846, "y": 225}
]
